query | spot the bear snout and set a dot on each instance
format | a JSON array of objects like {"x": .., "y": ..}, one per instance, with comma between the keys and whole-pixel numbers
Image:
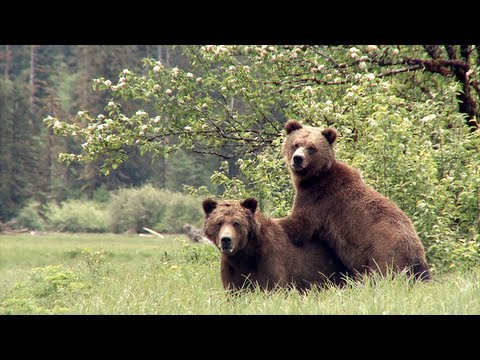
[
  {"x": 226, "y": 244},
  {"x": 298, "y": 159},
  {"x": 226, "y": 241}
]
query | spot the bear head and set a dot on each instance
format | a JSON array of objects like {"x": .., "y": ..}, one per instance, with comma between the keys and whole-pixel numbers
[
  {"x": 308, "y": 150},
  {"x": 230, "y": 224}
]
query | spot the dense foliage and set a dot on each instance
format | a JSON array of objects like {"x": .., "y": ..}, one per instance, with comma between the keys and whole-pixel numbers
[{"x": 124, "y": 210}]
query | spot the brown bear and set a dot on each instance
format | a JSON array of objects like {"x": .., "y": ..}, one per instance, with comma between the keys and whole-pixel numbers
[
  {"x": 333, "y": 204},
  {"x": 255, "y": 250}
]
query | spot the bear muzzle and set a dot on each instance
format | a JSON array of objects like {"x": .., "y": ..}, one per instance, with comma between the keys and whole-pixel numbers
[
  {"x": 226, "y": 244},
  {"x": 298, "y": 160}
]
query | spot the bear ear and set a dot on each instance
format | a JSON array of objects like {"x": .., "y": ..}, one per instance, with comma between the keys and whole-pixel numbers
[
  {"x": 250, "y": 204},
  {"x": 209, "y": 205},
  {"x": 292, "y": 125},
  {"x": 330, "y": 135}
]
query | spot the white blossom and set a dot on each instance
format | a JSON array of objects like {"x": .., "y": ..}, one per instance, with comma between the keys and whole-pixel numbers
[
  {"x": 156, "y": 87},
  {"x": 80, "y": 113},
  {"x": 100, "y": 116},
  {"x": 204, "y": 105},
  {"x": 140, "y": 113},
  {"x": 362, "y": 65},
  {"x": 57, "y": 124},
  {"x": 168, "y": 91},
  {"x": 350, "y": 94},
  {"x": 187, "y": 128},
  {"x": 309, "y": 89},
  {"x": 111, "y": 103},
  {"x": 175, "y": 71},
  {"x": 372, "y": 47},
  {"x": 156, "y": 68},
  {"x": 199, "y": 79},
  {"x": 107, "y": 82},
  {"x": 126, "y": 71},
  {"x": 395, "y": 51},
  {"x": 428, "y": 118},
  {"x": 189, "y": 75},
  {"x": 370, "y": 76},
  {"x": 156, "y": 119}
]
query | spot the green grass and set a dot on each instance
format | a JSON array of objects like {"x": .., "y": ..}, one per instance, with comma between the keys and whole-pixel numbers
[{"x": 128, "y": 274}]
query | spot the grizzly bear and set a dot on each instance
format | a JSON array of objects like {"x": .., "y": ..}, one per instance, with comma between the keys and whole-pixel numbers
[
  {"x": 333, "y": 204},
  {"x": 255, "y": 250}
]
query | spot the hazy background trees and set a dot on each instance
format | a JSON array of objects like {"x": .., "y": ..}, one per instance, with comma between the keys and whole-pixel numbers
[{"x": 56, "y": 80}]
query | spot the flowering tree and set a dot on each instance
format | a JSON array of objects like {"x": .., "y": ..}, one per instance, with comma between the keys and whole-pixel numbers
[{"x": 404, "y": 115}]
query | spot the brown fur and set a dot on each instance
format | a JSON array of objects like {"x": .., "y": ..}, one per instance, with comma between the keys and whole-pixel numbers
[
  {"x": 261, "y": 254},
  {"x": 332, "y": 203}
]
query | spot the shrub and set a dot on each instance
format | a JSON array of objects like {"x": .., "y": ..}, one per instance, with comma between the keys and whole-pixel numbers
[
  {"x": 77, "y": 216},
  {"x": 29, "y": 217},
  {"x": 180, "y": 209},
  {"x": 165, "y": 211}
]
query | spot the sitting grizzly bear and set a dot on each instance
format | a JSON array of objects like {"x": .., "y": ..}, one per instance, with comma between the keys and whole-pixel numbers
[
  {"x": 256, "y": 251},
  {"x": 332, "y": 203}
]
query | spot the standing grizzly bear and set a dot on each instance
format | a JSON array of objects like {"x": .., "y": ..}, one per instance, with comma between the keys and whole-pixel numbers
[
  {"x": 332, "y": 203},
  {"x": 256, "y": 251}
]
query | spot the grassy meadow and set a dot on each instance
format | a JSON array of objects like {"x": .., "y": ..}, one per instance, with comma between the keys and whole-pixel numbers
[{"x": 65, "y": 273}]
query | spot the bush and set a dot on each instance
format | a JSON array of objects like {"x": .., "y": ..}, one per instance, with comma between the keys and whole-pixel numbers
[
  {"x": 180, "y": 209},
  {"x": 77, "y": 216},
  {"x": 29, "y": 217},
  {"x": 165, "y": 211}
]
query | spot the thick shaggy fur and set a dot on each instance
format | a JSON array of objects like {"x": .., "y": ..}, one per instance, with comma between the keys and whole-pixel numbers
[
  {"x": 256, "y": 251},
  {"x": 333, "y": 204}
]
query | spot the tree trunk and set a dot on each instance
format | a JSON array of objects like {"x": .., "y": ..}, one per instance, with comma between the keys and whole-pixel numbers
[
  {"x": 33, "y": 85},
  {"x": 8, "y": 60}
]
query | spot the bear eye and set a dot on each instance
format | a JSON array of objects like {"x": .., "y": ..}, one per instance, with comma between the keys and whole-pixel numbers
[
  {"x": 295, "y": 146},
  {"x": 236, "y": 224},
  {"x": 311, "y": 149},
  {"x": 219, "y": 223}
]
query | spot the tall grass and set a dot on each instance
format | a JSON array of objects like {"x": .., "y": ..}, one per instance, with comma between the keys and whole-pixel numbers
[{"x": 120, "y": 274}]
